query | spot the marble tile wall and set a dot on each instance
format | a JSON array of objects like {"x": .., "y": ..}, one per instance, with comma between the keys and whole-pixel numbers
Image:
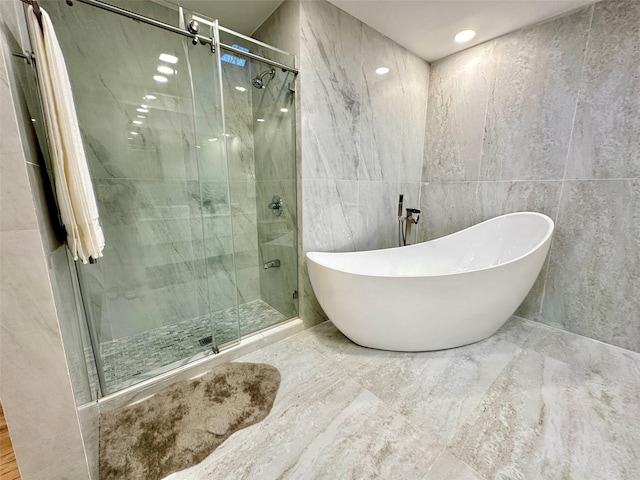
[
  {"x": 362, "y": 136},
  {"x": 37, "y": 379},
  {"x": 276, "y": 155},
  {"x": 546, "y": 119}
]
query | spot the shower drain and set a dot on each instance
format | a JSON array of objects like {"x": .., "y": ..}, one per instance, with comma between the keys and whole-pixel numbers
[{"x": 206, "y": 341}]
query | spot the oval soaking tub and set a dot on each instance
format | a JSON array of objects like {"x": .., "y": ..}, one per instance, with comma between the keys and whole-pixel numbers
[{"x": 444, "y": 293}]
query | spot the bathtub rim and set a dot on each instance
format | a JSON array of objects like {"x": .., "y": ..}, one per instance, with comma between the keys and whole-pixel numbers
[{"x": 550, "y": 224}]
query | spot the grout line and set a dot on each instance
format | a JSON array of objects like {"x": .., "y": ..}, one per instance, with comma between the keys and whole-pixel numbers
[
  {"x": 567, "y": 332},
  {"x": 435, "y": 460},
  {"x": 566, "y": 164},
  {"x": 490, "y": 88}
]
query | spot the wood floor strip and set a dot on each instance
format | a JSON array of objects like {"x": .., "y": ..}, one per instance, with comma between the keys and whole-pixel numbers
[{"x": 8, "y": 465}]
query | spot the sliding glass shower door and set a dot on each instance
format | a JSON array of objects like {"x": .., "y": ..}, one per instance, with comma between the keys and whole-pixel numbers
[{"x": 185, "y": 156}]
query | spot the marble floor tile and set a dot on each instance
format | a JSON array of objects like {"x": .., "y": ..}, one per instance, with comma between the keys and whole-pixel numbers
[
  {"x": 437, "y": 391},
  {"x": 448, "y": 467},
  {"x": 366, "y": 440},
  {"x": 545, "y": 418},
  {"x": 302, "y": 369},
  {"x": 530, "y": 402},
  {"x": 330, "y": 342}
]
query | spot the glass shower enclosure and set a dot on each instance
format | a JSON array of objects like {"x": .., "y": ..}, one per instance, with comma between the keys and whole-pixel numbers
[{"x": 191, "y": 151}]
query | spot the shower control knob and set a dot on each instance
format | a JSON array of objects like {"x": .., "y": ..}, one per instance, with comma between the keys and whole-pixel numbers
[{"x": 276, "y": 205}]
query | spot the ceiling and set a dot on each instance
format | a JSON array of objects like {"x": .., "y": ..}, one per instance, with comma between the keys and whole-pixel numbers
[
  {"x": 424, "y": 27},
  {"x": 243, "y": 16},
  {"x": 427, "y": 27}
]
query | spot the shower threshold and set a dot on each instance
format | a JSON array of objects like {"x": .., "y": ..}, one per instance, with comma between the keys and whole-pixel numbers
[
  {"x": 197, "y": 365},
  {"x": 133, "y": 359}
]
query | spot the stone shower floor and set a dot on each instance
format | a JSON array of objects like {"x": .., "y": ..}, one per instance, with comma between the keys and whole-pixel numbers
[
  {"x": 531, "y": 402},
  {"x": 135, "y": 358}
]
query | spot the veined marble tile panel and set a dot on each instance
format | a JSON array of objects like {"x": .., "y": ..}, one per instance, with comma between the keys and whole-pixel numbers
[
  {"x": 456, "y": 113},
  {"x": 544, "y": 418},
  {"x": 15, "y": 192},
  {"x": 110, "y": 76},
  {"x": 143, "y": 309},
  {"x": 593, "y": 286},
  {"x": 212, "y": 163},
  {"x": 607, "y": 126},
  {"x": 378, "y": 212},
  {"x": 330, "y": 215},
  {"x": 39, "y": 400},
  {"x": 447, "y": 208},
  {"x": 129, "y": 201},
  {"x": 532, "y": 99},
  {"x": 499, "y": 198},
  {"x": 212, "y": 197},
  {"x": 282, "y": 28},
  {"x": 274, "y": 136},
  {"x": 331, "y": 96},
  {"x": 392, "y": 121},
  {"x": 330, "y": 156}
]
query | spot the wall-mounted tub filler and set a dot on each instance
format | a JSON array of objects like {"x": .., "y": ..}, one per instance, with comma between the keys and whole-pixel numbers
[{"x": 405, "y": 224}]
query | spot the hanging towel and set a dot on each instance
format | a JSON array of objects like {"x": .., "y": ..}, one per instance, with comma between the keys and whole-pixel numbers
[{"x": 74, "y": 190}]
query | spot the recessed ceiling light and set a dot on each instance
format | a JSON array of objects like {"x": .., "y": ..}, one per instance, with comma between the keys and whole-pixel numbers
[
  {"x": 284, "y": 110},
  {"x": 464, "y": 36},
  {"x": 259, "y": 119},
  {"x": 382, "y": 70},
  {"x": 141, "y": 116},
  {"x": 166, "y": 70},
  {"x": 160, "y": 78},
  {"x": 137, "y": 122},
  {"x": 144, "y": 106},
  {"x": 142, "y": 110},
  {"x": 213, "y": 139},
  {"x": 165, "y": 57},
  {"x": 133, "y": 133},
  {"x": 241, "y": 89},
  {"x": 149, "y": 97}
]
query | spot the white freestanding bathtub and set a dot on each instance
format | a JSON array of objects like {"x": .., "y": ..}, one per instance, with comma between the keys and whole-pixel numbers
[{"x": 444, "y": 293}]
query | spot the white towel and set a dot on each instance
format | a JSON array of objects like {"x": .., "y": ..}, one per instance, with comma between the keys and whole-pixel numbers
[{"x": 74, "y": 189}]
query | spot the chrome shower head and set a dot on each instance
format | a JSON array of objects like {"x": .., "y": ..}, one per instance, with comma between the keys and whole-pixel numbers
[{"x": 258, "y": 82}]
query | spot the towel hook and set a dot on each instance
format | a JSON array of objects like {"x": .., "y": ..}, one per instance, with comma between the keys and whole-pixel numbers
[{"x": 36, "y": 10}]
